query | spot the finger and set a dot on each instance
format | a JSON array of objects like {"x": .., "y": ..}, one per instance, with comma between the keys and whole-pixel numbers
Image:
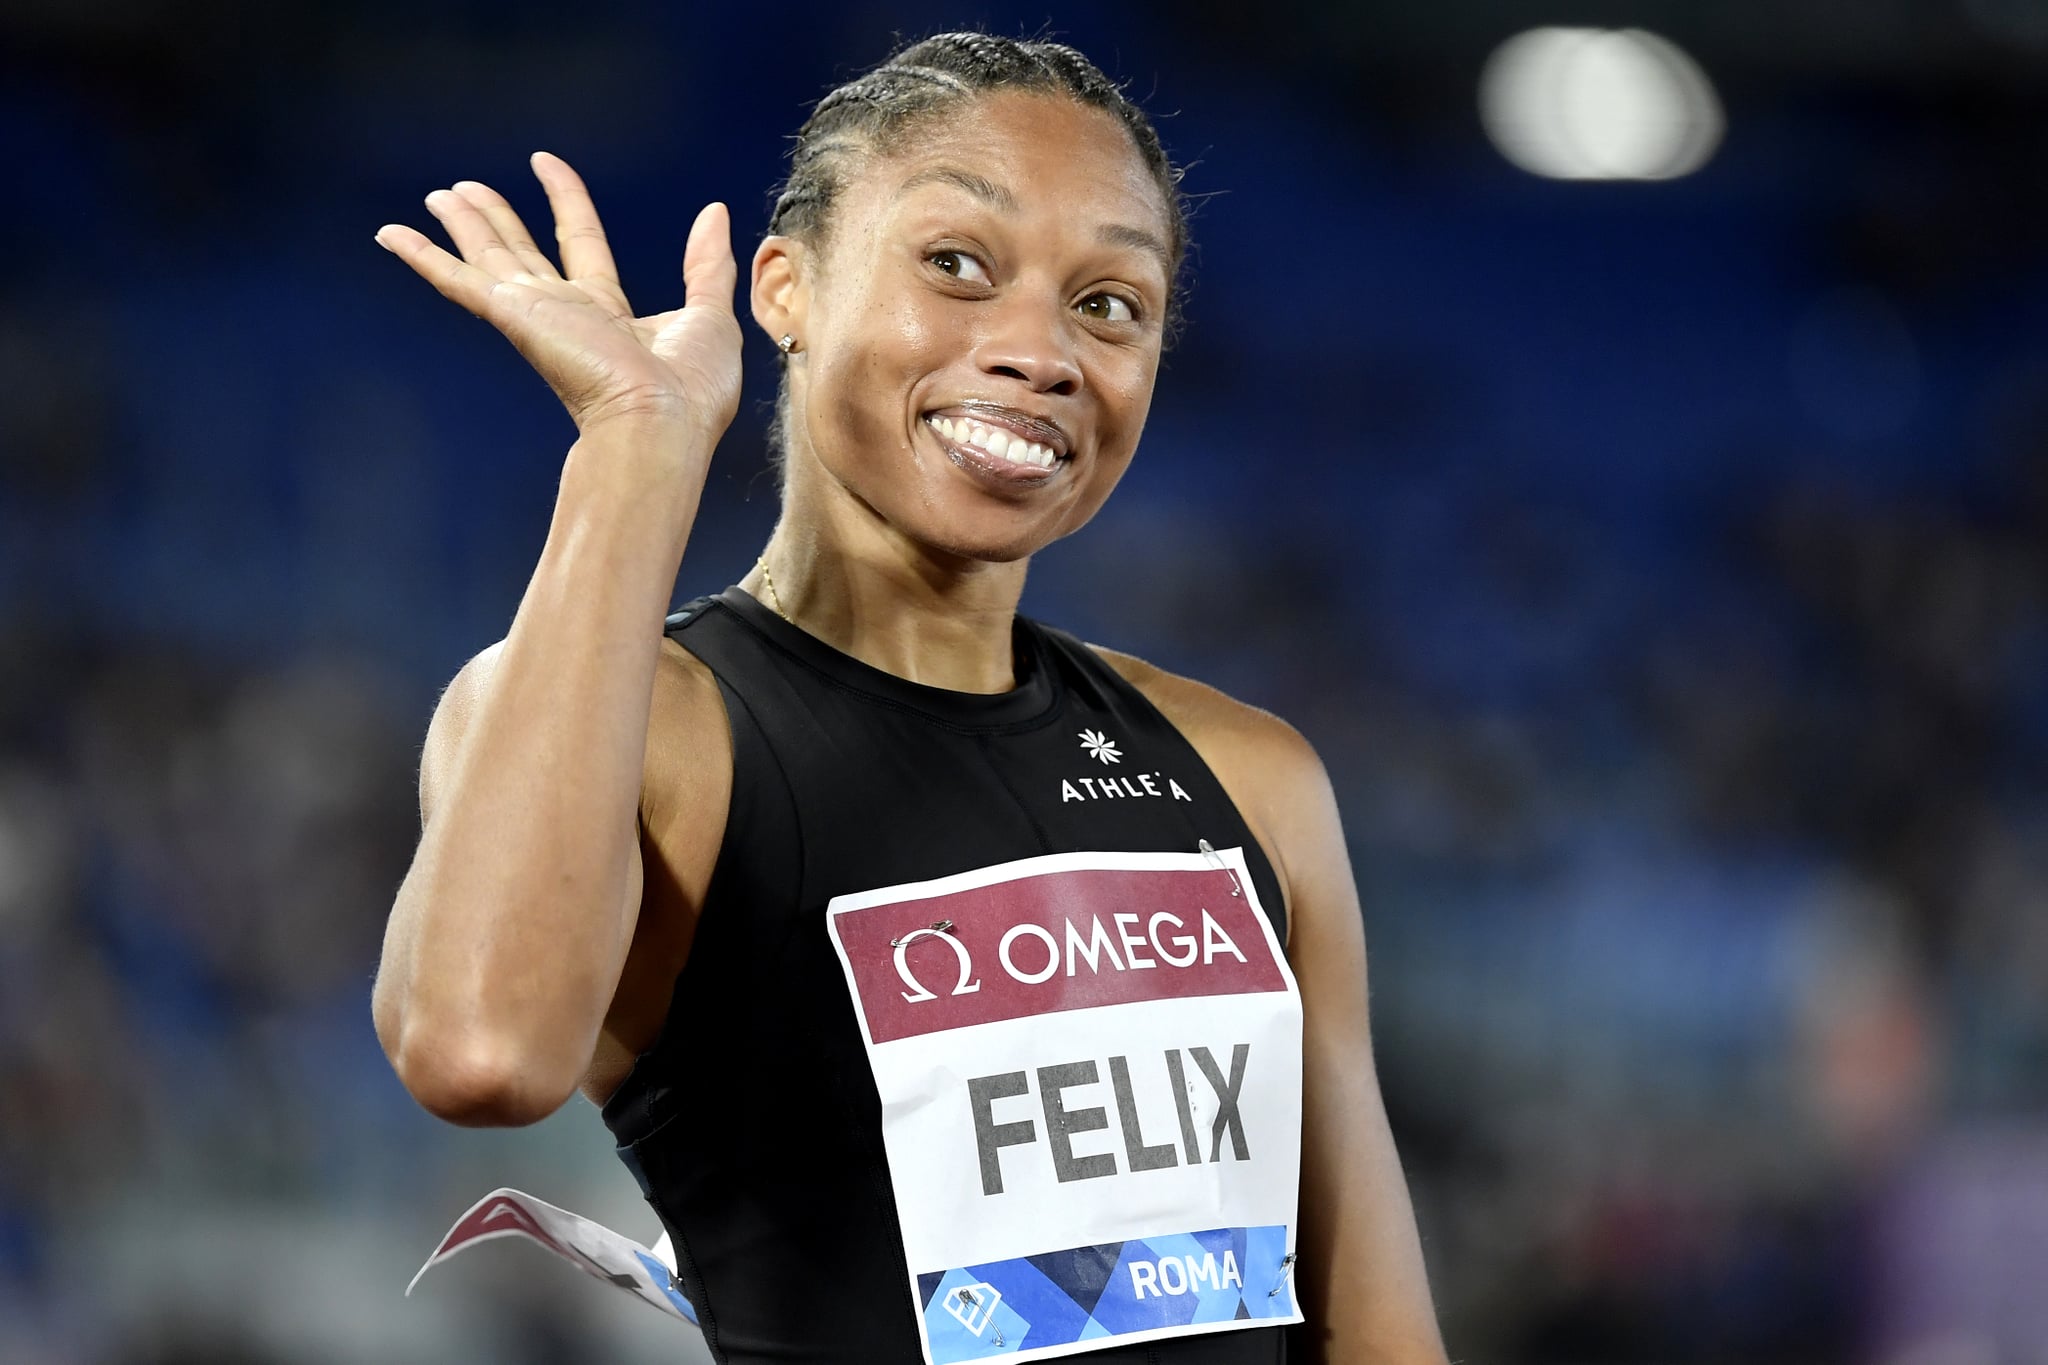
[
  {"x": 586, "y": 252},
  {"x": 456, "y": 278},
  {"x": 473, "y": 235},
  {"x": 504, "y": 221},
  {"x": 710, "y": 275}
]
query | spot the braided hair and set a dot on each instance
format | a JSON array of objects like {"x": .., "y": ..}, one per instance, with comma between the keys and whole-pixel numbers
[{"x": 873, "y": 112}]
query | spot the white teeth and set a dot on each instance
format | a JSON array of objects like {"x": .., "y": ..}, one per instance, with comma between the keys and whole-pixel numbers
[{"x": 994, "y": 441}]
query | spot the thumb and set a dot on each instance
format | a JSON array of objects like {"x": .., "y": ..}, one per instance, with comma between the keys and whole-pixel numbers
[{"x": 710, "y": 275}]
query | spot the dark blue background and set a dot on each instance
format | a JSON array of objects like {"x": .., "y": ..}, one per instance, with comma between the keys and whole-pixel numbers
[{"x": 1658, "y": 567}]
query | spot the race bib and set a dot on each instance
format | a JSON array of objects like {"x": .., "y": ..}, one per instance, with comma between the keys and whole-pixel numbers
[{"x": 1090, "y": 1074}]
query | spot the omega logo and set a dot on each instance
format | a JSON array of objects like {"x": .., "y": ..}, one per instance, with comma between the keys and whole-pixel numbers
[
  {"x": 917, "y": 991},
  {"x": 1098, "y": 947}
]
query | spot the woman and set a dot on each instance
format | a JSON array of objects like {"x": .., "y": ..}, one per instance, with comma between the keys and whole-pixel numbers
[{"x": 818, "y": 895}]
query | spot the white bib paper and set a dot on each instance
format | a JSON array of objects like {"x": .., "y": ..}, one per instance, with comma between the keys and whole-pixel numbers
[
  {"x": 649, "y": 1275},
  {"x": 1090, "y": 1074}
]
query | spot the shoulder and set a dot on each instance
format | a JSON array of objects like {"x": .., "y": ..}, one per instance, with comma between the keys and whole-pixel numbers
[
  {"x": 1206, "y": 715},
  {"x": 688, "y": 775},
  {"x": 1269, "y": 769}
]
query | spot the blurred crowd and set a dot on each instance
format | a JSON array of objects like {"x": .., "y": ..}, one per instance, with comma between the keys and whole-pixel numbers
[{"x": 1662, "y": 573}]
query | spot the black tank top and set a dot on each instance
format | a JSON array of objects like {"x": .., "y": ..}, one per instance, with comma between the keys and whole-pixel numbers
[{"x": 753, "y": 1124}]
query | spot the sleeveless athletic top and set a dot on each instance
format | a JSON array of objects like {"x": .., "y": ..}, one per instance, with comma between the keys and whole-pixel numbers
[{"x": 753, "y": 1124}]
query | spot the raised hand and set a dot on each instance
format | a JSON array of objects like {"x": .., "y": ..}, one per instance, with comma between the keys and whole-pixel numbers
[{"x": 574, "y": 325}]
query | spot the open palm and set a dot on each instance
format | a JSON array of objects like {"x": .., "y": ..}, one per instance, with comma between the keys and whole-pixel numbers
[{"x": 574, "y": 325}]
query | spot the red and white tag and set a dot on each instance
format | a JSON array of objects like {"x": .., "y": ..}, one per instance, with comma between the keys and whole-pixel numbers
[
  {"x": 1078, "y": 1050},
  {"x": 649, "y": 1275}
]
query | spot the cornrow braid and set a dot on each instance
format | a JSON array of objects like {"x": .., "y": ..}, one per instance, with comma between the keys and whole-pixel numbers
[{"x": 874, "y": 111}]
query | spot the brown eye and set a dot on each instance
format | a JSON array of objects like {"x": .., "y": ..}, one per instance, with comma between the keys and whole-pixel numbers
[
  {"x": 959, "y": 265},
  {"x": 1106, "y": 308}
]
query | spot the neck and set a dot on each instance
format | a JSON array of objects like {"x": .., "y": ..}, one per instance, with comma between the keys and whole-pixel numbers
[{"x": 922, "y": 614}]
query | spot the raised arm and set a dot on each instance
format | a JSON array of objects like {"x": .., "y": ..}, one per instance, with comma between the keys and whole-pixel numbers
[{"x": 511, "y": 927}]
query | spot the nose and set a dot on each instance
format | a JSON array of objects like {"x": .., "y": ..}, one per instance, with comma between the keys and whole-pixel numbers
[{"x": 1030, "y": 339}]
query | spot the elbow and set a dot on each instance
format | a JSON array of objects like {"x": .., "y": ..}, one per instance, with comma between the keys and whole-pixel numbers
[
  {"x": 465, "y": 1077},
  {"x": 479, "y": 1089}
]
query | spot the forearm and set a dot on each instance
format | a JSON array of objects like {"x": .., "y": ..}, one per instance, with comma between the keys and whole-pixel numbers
[{"x": 507, "y": 934}]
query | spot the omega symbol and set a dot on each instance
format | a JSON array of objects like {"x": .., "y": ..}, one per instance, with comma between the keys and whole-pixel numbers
[{"x": 917, "y": 991}]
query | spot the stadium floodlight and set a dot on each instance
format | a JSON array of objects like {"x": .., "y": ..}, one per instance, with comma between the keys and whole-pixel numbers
[{"x": 1599, "y": 104}]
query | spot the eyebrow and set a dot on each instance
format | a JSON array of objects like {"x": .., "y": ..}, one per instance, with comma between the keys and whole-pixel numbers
[
  {"x": 1000, "y": 198},
  {"x": 1123, "y": 234},
  {"x": 980, "y": 186}
]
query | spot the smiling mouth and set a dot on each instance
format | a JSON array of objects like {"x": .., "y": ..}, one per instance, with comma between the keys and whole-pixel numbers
[{"x": 995, "y": 443}]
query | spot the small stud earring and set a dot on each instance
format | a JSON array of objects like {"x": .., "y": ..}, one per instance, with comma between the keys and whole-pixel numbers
[{"x": 788, "y": 344}]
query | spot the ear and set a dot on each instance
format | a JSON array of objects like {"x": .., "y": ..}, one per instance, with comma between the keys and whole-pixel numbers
[{"x": 781, "y": 291}]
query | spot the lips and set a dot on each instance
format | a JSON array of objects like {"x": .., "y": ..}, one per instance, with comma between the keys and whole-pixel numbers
[
  {"x": 995, "y": 445},
  {"x": 1004, "y": 435}
]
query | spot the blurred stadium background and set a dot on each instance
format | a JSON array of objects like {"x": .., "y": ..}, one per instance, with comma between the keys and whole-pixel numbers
[{"x": 1658, "y": 563}]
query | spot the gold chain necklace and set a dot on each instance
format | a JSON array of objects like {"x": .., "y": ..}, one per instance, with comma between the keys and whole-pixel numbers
[{"x": 774, "y": 597}]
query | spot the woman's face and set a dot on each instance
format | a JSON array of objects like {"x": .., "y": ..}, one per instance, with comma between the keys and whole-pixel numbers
[{"x": 982, "y": 330}]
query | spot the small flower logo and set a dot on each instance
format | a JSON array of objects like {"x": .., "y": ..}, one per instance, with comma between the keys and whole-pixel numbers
[{"x": 1098, "y": 746}]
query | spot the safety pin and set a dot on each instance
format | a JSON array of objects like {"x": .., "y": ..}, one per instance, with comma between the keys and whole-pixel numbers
[
  {"x": 935, "y": 927},
  {"x": 1217, "y": 859},
  {"x": 968, "y": 1296},
  {"x": 1286, "y": 1264}
]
